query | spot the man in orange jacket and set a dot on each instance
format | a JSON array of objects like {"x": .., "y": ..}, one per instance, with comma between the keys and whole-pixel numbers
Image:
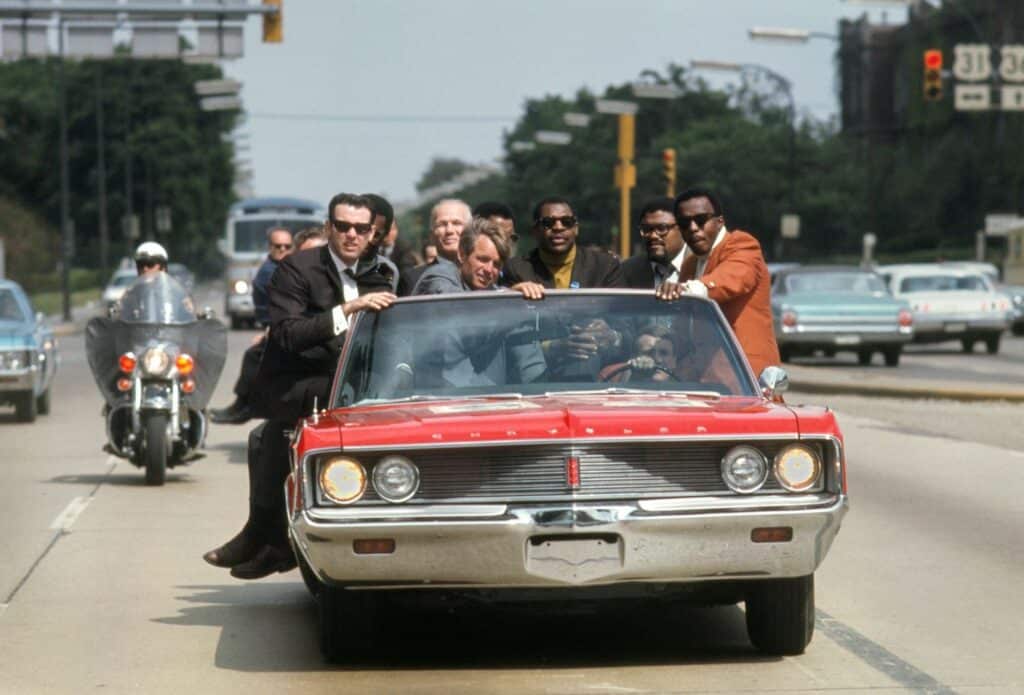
[{"x": 727, "y": 267}]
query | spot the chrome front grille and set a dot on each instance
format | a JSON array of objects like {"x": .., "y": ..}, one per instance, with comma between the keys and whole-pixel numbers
[{"x": 537, "y": 473}]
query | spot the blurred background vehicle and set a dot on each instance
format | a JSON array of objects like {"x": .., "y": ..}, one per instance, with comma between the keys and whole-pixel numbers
[
  {"x": 950, "y": 303},
  {"x": 184, "y": 276},
  {"x": 838, "y": 309},
  {"x": 120, "y": 281},
  {"x": 1015, "y": 293},
  {"x": 28, "y": 354}
]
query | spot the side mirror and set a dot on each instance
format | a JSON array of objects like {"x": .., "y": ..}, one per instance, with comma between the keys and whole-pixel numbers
[{"x": 774, "y": 382}]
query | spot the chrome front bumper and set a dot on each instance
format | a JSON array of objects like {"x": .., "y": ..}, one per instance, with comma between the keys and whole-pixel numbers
[
  {"x": 952, "y": 327},
  {"x": 19, "y": 381},
  {"x": 240, "y": 305},
  {"x": 842, "y": 338},
  {"x": 494, "y": 546}
]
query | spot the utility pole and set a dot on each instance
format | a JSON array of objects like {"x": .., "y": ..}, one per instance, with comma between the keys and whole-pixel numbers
[
  {"x": 65, "y": 186},
  {"x": 101, "y": 177}
]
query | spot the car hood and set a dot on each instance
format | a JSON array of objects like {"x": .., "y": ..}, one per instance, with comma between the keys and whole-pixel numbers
[
  {"x": 842, "y": 303},
  {"x": 556, "y": 417},
  {"x": 16, "y": 335}
]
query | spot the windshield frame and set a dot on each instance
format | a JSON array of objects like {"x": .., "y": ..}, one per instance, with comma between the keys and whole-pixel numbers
[{"x": 748, "y": 381}]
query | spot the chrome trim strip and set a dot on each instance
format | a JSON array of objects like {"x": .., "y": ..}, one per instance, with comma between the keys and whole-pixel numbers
[
  {"x": 433, "y": 511},
  {"x": 743, "y": 504},
  {"x": 574, "y": 440}
]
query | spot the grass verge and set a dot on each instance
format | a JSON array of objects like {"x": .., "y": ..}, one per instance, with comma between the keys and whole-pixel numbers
[{"x": 51, "y": 303}]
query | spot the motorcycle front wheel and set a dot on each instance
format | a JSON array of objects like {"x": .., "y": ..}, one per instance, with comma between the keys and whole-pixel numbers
[{"x": 154, "y": 455}]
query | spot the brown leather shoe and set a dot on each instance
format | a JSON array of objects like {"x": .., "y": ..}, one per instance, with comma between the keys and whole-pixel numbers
[
  {"x": 268, "y": 559},
  {"x": 239, "y": 549}
]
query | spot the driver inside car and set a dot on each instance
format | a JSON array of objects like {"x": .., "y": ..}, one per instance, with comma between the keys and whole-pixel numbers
[{"x": 654, "y": 358}]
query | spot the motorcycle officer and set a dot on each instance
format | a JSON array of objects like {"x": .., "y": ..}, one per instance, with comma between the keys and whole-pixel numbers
[{"x": 150, "y": 257}]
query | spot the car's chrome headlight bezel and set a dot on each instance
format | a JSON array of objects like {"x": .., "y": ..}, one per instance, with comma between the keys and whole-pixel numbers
[
  {"x": 798, "y": 468},
  {"x": 342, "y": 479},
  {"x": 384, "y": 474},
  {"x": 732, "y": 467}
]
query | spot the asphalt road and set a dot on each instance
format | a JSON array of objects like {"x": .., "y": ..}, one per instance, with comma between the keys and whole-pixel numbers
[{"x": 102, "y": 588}]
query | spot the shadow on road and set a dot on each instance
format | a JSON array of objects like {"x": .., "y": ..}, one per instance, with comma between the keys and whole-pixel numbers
[
  {"x": 237, "y": 452},
  {"x": 126, "y": 479},
  {"x": 273, "y": 627}
]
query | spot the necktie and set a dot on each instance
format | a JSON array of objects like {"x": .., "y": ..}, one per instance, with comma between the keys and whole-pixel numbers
[{"x": 662, "y": 272}]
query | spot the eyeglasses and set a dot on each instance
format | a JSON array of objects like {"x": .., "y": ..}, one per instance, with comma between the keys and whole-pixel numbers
[
  {"x": 342, "y": 227},
  {"x": 568, "y": 221},
  {"x": 700, "y": 218},
  {"x": 659, "y": 229},
  {"x": 282, "y": 247}
]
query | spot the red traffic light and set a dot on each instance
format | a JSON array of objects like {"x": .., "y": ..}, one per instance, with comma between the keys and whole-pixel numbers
[{"x": 933, "y": 59}]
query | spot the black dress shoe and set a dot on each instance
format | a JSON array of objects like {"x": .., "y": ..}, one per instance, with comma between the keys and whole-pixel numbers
[
  {"x": 268, "y": 559},
  {"x": 235, "y": 414},
  {"x": 241, "y": 548}
]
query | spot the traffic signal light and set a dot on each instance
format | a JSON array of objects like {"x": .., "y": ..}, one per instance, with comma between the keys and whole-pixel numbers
[
  {"x": 273, "y": 23},
  {"x": 932, "y": 74},
  {"x": 668, "y": 162}
]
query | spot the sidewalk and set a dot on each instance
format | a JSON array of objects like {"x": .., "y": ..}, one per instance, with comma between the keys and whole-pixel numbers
[
  {"x": 889, "y": 383},
  {"x": 80, "y": 316}
]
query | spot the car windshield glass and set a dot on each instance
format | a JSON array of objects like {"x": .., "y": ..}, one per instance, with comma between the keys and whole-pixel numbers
[
  {"x": 123, "y": 280},
  {"x": 10, "y": 308},
  {"x": 943, "y": 283},
  {"x": 497, "y": 343},
  {"x": 251, "y": 235},
  {"x": 157, "y": 298},
  {"x": 834, "y": 282}
]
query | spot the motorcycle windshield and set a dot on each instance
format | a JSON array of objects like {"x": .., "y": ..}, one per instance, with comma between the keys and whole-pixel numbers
[{"x": 157, "y": 314}]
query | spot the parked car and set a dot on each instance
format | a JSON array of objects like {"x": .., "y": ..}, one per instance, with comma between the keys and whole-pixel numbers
[
  {"x": 1015, "y": 294},
  {"x": 120, "y": 281},
  {"x": 468, "y": 451},
  {"x": 28, "y": 354},
  {"x": 838, "y": 309},
  {"x": 950, "y": 303}
]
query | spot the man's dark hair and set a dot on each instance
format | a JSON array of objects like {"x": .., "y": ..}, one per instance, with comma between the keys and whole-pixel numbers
[
  {"x": 306, "y": 234},
  {"x": 550, "y": 200},
  {"x": 481, "y": 226},
  {"x": 493, "y": 208},
  {"x": 659, "y": 204},
  {"x": 691, "y": 193},
  {"x": 351, "y": 199},
  {"x": 380, "y": 206}
]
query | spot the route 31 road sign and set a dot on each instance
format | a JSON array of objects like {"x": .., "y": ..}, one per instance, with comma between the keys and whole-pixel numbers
[{"x": 972, "y": 62}]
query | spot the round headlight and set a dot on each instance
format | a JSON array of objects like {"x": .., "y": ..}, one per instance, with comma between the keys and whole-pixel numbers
[
  {"x": 240, "y": 287},
  {"x": 343, "y": 480},
  {"x": 396, "y": 478},
  {"x": 155, "y": 362},
  {"x": 797, "y": 467},
  {"x": 744, "y": 469}
]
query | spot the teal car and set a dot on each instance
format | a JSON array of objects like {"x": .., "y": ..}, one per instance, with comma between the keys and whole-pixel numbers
[
  {"x": 831, "y": 309},
  {"x": 28, "y": 354}
]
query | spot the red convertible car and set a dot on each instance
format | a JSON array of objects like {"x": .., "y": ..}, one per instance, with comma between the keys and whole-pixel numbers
[{"x": 594, "y": 443}]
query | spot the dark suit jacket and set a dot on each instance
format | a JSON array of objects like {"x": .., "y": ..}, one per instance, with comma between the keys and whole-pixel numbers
[
  {"x": 637, "y": 272},
  {"x": 302, "y": 351},
  {"x": 590, "y": 269}
]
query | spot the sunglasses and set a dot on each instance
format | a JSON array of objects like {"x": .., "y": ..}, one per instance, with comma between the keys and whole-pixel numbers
[
  {"x": 342, "y": 227},
  {"x": 568, "y": 221},
  {"x": 701, "y": 219},
  {"x": 659, "y": 229},
  {"x": 281, "y": 246}
]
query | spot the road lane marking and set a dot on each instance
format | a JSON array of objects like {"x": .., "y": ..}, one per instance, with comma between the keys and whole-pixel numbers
[
  {"x": 878, "y": 657},
  {"x": 66, "y": 519}
]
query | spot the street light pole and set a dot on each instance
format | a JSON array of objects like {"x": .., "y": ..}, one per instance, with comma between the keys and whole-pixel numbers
[{"x": 65, "y": 185}]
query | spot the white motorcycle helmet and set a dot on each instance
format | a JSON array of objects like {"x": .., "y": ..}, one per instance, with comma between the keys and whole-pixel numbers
[{"x": 148, "y": 254}]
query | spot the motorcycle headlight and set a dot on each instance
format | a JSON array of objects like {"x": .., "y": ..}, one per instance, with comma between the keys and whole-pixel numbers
[
  {"x": 342, "y": 479},
  {"x": 744, "y": 469},
  {"x": 396, "y": 478},
  {"x": 240, "y": 287},
  {"x": 155, "y": 362},
  {"x": 797, "y": 468}
]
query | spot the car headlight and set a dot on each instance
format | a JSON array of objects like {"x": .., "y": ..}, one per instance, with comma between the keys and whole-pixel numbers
[
  {"x": 744, "y": 469},
  {"x": 797, "y": 468},
  {"x": 396, "y": 478},
  {"x": 240, "y": 287},
  {"x": 342, "y": 479},
  {"x": 155, "y": 362}
]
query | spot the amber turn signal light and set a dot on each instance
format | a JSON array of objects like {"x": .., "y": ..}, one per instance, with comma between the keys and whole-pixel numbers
[
  {"x": 184, "y": 363},
  {"x": 124, "y": 384},
  {"x": 188, "y": 386},
  {"x": 373, "y": 546},
  {"x": 126, "y": 362},
  {"x": 772, "y": 534}
]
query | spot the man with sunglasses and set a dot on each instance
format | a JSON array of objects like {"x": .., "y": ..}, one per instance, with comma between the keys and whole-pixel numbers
[
  {"x": 728, "y": 267},
  {"x": 312, "y": 295},
  {"x": 664, "y": 242},
  {"x": 279, "y": 246},
  {"x": 559, "y": 262}
]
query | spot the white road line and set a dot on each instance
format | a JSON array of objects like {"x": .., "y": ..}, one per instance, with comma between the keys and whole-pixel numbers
[{"x": 66, "y": 519}]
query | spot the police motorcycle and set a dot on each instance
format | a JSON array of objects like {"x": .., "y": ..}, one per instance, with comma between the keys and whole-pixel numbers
[{"x": 156, "y": 362}]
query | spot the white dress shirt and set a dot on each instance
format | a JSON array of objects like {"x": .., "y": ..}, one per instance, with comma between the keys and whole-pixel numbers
[{"x": 349, "y": 291}]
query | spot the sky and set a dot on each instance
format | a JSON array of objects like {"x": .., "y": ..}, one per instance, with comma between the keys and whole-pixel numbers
[{"x": 363, "y": 94}]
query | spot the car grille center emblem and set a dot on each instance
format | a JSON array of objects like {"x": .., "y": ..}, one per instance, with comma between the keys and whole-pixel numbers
[{"x": 572, "y": 472}]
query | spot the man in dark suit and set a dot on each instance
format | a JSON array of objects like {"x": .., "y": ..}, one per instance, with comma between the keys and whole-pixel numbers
[
  {"x": 664, "y": 241},
  {"x": 559, "y": 262},
  {"x": 312, "y": 295}
]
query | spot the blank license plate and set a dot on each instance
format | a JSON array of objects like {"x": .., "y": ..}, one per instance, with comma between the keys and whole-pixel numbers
[
  {"x": 847, "y": 340},
  {"x": 574, "y": 560},
  {"x": 956, "y": 327}
]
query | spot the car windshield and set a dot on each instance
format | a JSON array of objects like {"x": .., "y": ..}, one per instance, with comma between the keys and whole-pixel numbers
[
  {"x": 943, "y": 283},
  {"x": 498, "y": 344},
  {"x": 158, "y": 299},
  {"x": 123, "y": 280},
  {"x": 835, "y": 282},
  {"x": 10, "y": 308},
  {"x": 251, "y": 235}
]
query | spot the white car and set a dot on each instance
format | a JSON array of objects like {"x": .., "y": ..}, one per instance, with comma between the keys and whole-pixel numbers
[
  {"x": 120, "y": 281},
  {"x": 950, "y": 303}
]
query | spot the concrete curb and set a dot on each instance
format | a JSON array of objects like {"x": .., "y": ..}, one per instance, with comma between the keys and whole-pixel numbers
[{"x": 896, "y": 390}]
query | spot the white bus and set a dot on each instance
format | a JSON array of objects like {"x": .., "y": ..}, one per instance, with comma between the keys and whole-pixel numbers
[{"x": 245, "y": 245}]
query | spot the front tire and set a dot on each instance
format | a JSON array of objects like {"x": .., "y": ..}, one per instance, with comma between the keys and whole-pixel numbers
[
  {"x": 780, "y": 615},
  {"x": 154, "y": 455},
  {"x": 992, "y": 343},
  {"x": 26, "y": 407},
  {"x": 892, "y": 356},
  {"x": 967, "y": 344},
  {"x": 864, "y": 357},
  {"x": 347, "y": 621},
  {"x": 43, "y": 402}
]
